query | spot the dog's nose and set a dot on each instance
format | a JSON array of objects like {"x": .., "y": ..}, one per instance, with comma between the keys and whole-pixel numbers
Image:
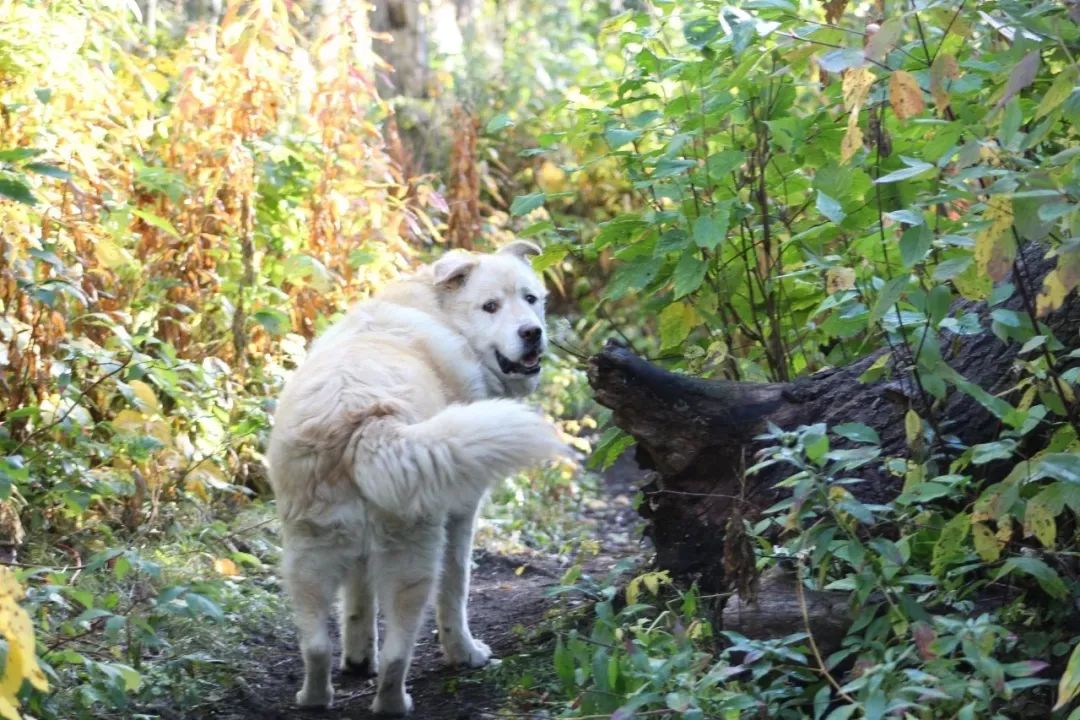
[{"x": 530, "y": 333}]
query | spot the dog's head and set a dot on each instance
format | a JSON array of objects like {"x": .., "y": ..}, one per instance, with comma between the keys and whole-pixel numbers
[{"x": 496, "y": 302}]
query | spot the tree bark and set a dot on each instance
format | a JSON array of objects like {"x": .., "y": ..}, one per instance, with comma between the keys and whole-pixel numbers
[{"x": 699, "y": 435}]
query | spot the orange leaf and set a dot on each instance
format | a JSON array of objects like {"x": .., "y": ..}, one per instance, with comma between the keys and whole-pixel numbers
[
  {"x": 905, "y": 95},
  {"x": 226, "y": 567}
]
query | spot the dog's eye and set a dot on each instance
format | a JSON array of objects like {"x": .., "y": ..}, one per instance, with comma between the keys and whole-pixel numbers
[
  {"x": 490, "y": 306},
  {"x": 530, "y": 298}
]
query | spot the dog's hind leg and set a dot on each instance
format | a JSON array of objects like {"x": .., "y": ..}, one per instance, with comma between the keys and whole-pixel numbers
[
  {"x": 311, "y": 585},
  {"x": 459, "y": 646},
  {"x": 359, "y": 629},
  {"x": 406, "y": 577}
]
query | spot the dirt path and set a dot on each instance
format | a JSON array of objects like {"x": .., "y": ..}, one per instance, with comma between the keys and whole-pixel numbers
[{"x": 509, "y": 598}]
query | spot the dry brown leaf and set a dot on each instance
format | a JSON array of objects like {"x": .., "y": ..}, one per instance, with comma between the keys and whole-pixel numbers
[
  {"x": 834, "y": 9},
  {"x": 944, "y": 69},
  {"x": 838, "y": 279},
  {"x": 904, "y": 95}
]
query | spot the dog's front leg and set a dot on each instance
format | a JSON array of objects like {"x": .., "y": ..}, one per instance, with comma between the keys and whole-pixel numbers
[{"x": 459, "y": 646}]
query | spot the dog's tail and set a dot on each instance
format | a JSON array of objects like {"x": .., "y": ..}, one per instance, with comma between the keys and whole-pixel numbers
[{"x": 449, "y": 460}]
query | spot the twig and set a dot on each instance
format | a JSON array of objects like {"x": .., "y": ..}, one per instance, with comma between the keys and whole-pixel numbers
[
  {"x": 74, "y": 404},
  {"x": 813, "y": 643}
]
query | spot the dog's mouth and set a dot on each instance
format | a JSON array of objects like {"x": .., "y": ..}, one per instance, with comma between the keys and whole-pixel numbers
[{"x": 528, "y": 365}]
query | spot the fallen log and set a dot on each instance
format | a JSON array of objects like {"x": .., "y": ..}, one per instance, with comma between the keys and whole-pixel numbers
[{"x": 699, "y": 435}]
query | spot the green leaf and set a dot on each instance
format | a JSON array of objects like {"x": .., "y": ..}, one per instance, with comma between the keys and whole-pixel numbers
[
  {"x": 524, "y": 204},
  {"x": 710, "y": 230},
  {"x": 200, "y": 605},
  {"x": 720, "y": 164},
  {"x": 839, "y": 60},
  {"x": 1059, "y": 91},
  {"x": 47, "y": 169},
  {"x": 889, "y": 296},
  {"x": 617, "y": 137},
  {"x": 857, "y": 432},
  {"x": 1048, "y": 580},
  {"x": 914, "y": 244},
  {"x": 276, "y": 322},
  {"x": 676, "y": 322},
  {"x": 498, "y": 123},
  {"x": 16, "y": 190},
  {"x": 131, "y": 676},
  {"x": 950, "y": 544},
  {"x": 1061, "y": 466},
  {"x": 689, "y": 273},
  {"x": 159, "y": 222},
  {"x": 17, "y": 155},
  {"x": 914, "y": 168},
  {"x": 550, "y": 257},
  {"x": 830, "y": 208}
]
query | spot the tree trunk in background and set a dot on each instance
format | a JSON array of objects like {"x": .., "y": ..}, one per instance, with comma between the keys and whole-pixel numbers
[
  {"x": 698, "y": 435},
  {"x": 407, "y": 51}
]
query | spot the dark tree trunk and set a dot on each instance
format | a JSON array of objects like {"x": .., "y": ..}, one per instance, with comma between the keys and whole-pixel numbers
[{"x": 698, "y": 435}]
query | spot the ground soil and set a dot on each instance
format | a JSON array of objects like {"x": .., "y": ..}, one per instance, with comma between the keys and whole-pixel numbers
[{"x": 510, "y": 600}]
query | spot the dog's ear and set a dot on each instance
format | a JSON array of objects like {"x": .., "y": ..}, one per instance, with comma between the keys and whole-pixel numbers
[
  {"x": 520, "y": 249},
  {"x": 453, "y": 268}
]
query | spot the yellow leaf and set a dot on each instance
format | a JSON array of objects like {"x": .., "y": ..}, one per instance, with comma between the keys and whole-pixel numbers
[
  {"x": 129, "y": 421},
  {"x": 877, "y": 369},
  {"x": 21, "y": 663},
  {"x": 973, "y": 284},
  {"x": 111, "y": 255},
  {"x": 856, "y": 87},
  {"x": 1004, "y": 531},
  {"x": 995, "y": 246},
  {"x": 986, "y": 543},
  {"x": 145, "y": 396},
  {"x": 194, "y": 486},
  {"x": 915, "y": 475},
  {"x": 550, "y": 177},
  {"x": 1059, "y": 282},
  {"x": 676, "y": 322},
  {"x": 853, "y": 138},
  {"x": 905, "y": 96},
  {"x": 1069, "y": 684},
  {"x": 226, "y": 567},
  {"x": 7, "y": 709},
  {"x": 519, "y": 570},
  {"x": 1039, "y": 522},
  {"x": 913, "y": 428},
  {"x": 943, "y": 70}
]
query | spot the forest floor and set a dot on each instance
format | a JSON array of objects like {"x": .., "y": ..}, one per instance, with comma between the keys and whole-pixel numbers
[{"x": 512, "y": 608}]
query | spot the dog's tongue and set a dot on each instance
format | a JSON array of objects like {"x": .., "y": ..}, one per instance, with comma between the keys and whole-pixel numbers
[{"x": 530, "y": 360}]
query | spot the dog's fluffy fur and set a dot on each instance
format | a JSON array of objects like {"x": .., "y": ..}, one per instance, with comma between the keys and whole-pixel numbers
[{"x": 385, "y": 441}]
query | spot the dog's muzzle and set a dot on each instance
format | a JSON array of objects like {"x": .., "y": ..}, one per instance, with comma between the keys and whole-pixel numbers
[{"x": 528, "y": 365}]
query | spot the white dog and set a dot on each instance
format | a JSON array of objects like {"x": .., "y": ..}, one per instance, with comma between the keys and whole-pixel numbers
[{"x": 385, "y": 441}]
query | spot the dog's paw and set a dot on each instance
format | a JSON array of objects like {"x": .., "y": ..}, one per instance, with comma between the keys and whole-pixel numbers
[
  {"x": 364, "y": 668},
  {"x": 470, "y": 653},
  {"x": 315, "y": 698},
  {"x": 392, "y": 704}
]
